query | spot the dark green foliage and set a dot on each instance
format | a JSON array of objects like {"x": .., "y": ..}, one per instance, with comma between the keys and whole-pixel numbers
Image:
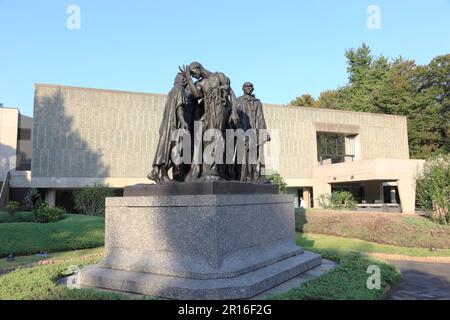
[
  {"x": 305, "y": 100},
  {"x": 433, "y": 188},
  {"x": 337, "y": 200},
  {"x": 399, "y": 87},
  {"x": 33, "y": 201},
  {"x": 277, "y": 179},
  {"x": 12, "y": 207},
  {"x": 46, "y": 214},
  {"x": 91, "y": 200}
]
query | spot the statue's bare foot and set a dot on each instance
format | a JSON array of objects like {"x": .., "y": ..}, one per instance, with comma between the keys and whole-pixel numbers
[
  {"x": 154, "y": 176},
  {"x": 166, "y": 180}
]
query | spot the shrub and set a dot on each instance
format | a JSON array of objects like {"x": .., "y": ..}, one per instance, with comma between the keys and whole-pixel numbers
[
  {"x": 12, "y": 207},
  {"x": 33, "y": 201},
  {"x": 277, "y": 179},
  {"x": 433, "y": 188},
  {"x": 91, "y": 200},
  {"x": 337, "y": 200},
  {"x": 46, "y": 214}
]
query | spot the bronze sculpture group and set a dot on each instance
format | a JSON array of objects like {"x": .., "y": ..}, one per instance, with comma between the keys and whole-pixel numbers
[{"x": 204, "y": 110}]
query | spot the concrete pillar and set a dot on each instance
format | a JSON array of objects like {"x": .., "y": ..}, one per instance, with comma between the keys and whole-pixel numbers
[
  {"x": 319, "y": 189},
  {"x": 393, "y": 194},
  {"x": 407, "y": 193},
  {"x": 382, "y": 193},
  {"x": 307, "y": 197},
  {"x": 50, "y": 198}
]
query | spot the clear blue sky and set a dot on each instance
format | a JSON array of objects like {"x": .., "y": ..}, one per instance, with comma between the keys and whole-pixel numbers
[{"x": 285, "y": 47}]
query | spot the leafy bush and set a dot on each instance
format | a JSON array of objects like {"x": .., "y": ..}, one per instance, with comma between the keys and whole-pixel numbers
[
  {"x": 337, "y": 200},
  {"x": 46, "y": 214},
  {"x": 433, "y": 188},
  {"x": 91, "y": 200},
  {"x": 277, "y": 179},
  {"x": 33, "y": 201},
  {"x": 12, "y": 207}
]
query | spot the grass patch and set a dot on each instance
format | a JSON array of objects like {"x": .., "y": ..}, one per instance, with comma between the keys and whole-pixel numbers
[
  {"x": 315, "y": 242},
  {"x": 21, "y": 261},
  {"x": 40, "y": 283},
  {"x": 383, "y": 228},
  {"x": 72, "y": 233},
  {"x": 347, "y": 281},
  {"x": 19, "y": 217}
]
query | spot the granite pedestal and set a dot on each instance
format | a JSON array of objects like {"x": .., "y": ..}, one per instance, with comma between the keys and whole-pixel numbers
[{"x": 209, "y": 246}]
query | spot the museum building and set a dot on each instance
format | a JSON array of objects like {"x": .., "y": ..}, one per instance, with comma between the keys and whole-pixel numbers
[{"x": 81, "y": 136}]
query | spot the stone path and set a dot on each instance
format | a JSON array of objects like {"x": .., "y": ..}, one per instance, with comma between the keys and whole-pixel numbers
[
  {"x": 316, "y": 272},
  {"x": 421, "y": 281}
]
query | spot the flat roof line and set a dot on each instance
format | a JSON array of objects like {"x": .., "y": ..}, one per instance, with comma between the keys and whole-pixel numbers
[
  {"x": 96, "y": 89},
  {"x": 270, "y": 105}
]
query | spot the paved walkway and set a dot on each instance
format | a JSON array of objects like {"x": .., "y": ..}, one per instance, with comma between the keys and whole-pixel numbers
[{"x": 421, "y": 281}]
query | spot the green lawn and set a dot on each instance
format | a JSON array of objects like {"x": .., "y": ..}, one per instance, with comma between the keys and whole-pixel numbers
[
  {"x": 347, "y": 281},
  {"x": 72, "y": 233},
  {"x": 40, "y": 283},
  {"x": 314, "y": 242},
  {"x": 23, "y": 261},
  {"x": 19, "y": 217}
]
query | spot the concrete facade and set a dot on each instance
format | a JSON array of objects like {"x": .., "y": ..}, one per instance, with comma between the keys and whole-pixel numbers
[
  {"x": 9, "y": 123},
  {"x": 82, "y": 136}
]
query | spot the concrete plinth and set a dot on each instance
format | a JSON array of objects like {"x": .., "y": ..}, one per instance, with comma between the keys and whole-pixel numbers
[{"x": 214, "y": 246}]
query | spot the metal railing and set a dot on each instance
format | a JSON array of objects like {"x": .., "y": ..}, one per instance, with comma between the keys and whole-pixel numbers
[{"x": 333, "y": 159}]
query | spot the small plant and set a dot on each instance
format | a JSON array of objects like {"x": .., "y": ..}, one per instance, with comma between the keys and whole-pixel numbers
[
  {"x": 46, "y": 214},
  {"x": 433, "y": 188},
  {"x": 12, "y": 207},
  {"x": 277, "y": 179},
  {"x": 337, "y": 200},
  {"x": 91, "y": 200},
  {"x": 33, "y": 201}
]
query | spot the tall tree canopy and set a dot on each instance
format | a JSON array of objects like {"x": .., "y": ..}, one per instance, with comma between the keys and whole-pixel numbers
[{"x": 398, "y": 87}]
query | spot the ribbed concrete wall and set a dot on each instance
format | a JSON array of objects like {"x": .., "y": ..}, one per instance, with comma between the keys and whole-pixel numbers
[
  {"x": 380, "y": 136},
  {"x": 100, "y": 133}
]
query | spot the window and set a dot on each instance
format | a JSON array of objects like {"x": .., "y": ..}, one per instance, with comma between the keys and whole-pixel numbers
[
  {"x": 331, "y": 148},
  {"x": 24, "y": 134}
]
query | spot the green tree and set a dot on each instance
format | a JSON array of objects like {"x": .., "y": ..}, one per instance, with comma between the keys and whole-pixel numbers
[
  {"x": 305, "y": 100},
  {"x": 399, "y": 87},
  {"x": 91, "y": 199},
  {"x": 277, "y": 179},
  {"x": 327, "y": 100},
  {"x": 433, "y": 188},
  {"x": 12, "y": 207},
  {"x": 33, "y": 201}
]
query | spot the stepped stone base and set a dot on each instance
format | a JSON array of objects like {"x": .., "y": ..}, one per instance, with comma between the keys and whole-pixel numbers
[
  {"x": 210, "y": 246},
  {"x": 244, "y": 286}
]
